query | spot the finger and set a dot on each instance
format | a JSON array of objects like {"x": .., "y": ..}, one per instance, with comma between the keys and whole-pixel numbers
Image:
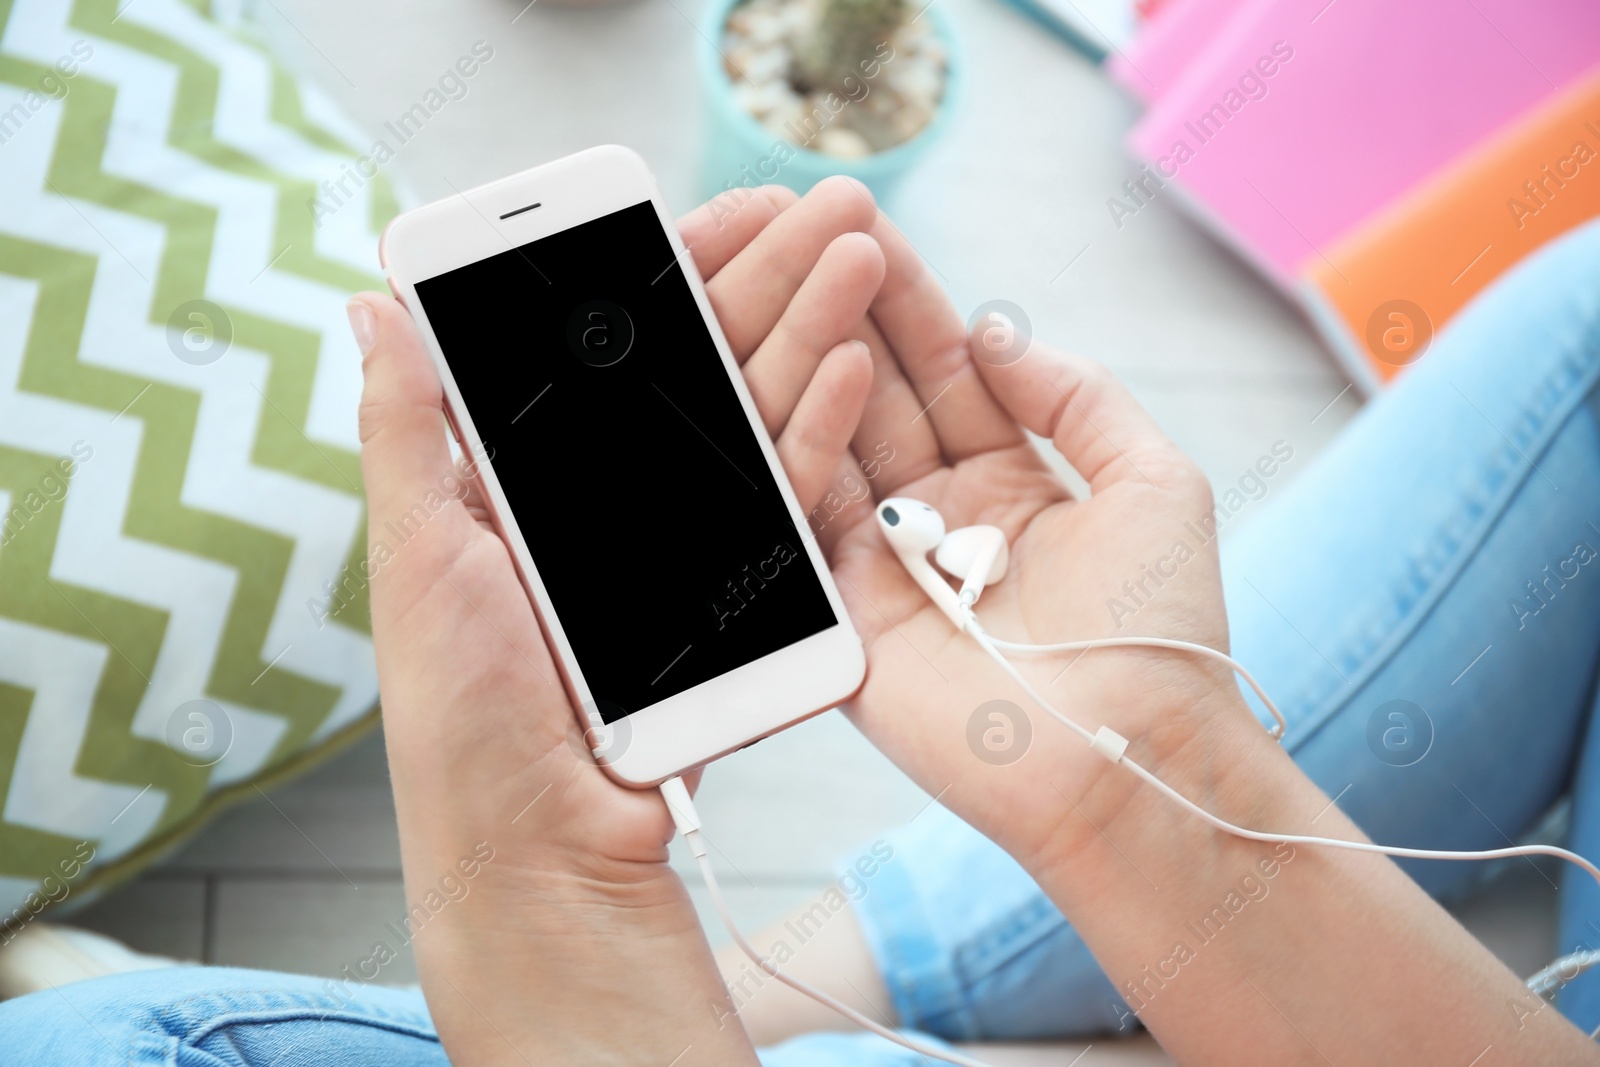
[
  {"x": 719, "y": 229},
  {"x": 892, "y": 423},
  {"x": 827, "y": 310},
  {"x": 817, "y": 437},
  {"x": 1091, "y": 418},
  {"x": 405, "y": 456},
  {"x": 930, "y": 342},
  {"x": 751, "y": 292},
  {"x": 846, "y": 501}
]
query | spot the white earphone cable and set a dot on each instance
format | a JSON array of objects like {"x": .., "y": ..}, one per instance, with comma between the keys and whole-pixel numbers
[
  {"x": 1114, "y": 751},
  {"x": 687, "y": 819},
  {"x": 1145, "y": 642}
]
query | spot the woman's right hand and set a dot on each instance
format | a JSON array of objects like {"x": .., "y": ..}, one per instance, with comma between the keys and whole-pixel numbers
[
  {"x": 955, "y": 413},
  {"x": 1342, "y": 936}
]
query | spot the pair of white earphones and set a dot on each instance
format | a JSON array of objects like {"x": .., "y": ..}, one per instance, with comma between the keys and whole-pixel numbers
[{"x": 977, "y": 557}]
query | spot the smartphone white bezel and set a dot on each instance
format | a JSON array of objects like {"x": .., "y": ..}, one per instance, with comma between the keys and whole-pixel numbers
[{"x": 717, "y": 716}]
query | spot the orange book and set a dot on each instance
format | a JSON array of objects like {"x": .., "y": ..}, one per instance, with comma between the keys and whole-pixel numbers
[{"x": 1381, "y": 293}]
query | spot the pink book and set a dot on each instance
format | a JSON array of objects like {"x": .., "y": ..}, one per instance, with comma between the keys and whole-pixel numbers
[
  {"x": 1169, "y": 42},
  {"x": 1304, "y": 117}
]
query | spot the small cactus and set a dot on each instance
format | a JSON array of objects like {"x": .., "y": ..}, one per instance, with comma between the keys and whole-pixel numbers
[{"x": 844, "y": 35}]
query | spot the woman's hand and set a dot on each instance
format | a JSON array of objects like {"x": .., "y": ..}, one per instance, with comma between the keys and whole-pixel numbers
[
  {"x": 1329, "y": 936},
  {"x": 1131, "y": 559},
  {"x": 575, "y": 937}
]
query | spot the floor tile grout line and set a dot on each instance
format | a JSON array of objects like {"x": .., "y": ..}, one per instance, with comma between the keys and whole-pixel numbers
[
  {"x": 379, "y": 875},
  {"x": 208, "y": 921}
]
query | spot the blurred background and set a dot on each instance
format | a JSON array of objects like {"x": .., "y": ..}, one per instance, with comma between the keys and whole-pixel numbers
[{"x": 1030, "y": 183}]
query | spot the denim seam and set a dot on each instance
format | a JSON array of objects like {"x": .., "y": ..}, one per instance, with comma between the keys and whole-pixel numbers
[
  {"x": 375, "y": 1020},
  {"x": 938, "y": 997},
  {"x": 227, "y": 1012},
  {"x": 922, "y": 989},
  {"x": 1003, "y": 941},
  {"x": 154, "y": 1048},
  {"x": 1435, "y": 567}
]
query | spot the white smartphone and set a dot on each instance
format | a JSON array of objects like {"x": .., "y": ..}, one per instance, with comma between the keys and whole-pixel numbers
[{"x": 690, "y": 610}]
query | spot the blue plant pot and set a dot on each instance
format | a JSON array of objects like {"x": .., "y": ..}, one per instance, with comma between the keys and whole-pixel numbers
[{"x": 742, "y": 151}]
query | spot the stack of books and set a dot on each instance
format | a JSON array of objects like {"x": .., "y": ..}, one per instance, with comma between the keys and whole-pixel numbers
[{"x": 1381, "y": 161}]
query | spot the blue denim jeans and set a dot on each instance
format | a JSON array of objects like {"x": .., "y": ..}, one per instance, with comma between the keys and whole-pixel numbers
[{"x": 1423, "y": 602}]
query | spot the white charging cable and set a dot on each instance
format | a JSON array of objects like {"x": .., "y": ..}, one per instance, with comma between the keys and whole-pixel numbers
[{"x": 687, "y": 819}]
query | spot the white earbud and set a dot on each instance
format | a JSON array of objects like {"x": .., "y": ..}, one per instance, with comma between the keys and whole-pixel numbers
[
  {"x": 977, "y": 555},
  {"x": 913, "y": 529}
]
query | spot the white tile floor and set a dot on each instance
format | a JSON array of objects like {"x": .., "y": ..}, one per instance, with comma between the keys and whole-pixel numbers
[{"x": 1014, "y": 195}]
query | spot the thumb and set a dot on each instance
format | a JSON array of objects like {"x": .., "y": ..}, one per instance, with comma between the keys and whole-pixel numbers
[
  {"x": 411, "y": 482},
  {"x": 1090, "y": 417}
]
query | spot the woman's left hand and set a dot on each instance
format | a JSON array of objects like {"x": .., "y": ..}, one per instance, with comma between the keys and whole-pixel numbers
[{"x": 485, "y": 752}]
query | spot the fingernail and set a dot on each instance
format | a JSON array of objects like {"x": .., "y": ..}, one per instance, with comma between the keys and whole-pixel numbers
[{"x": 363, "y": 323}]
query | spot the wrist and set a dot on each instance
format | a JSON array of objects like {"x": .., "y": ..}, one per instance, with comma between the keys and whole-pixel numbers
[
  {"x": 563, "y": 960},
  {"x": 585, "y": 925},
  {"x": 570, "y": 899},
  {"x": 1215, "y": 753}
]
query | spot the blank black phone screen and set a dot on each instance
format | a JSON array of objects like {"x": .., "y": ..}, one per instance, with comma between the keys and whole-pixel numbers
[{"x": 637, "y": 480}]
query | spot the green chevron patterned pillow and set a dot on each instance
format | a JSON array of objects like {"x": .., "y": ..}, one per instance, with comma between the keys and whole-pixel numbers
[{"x": 178, "y": 451}]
